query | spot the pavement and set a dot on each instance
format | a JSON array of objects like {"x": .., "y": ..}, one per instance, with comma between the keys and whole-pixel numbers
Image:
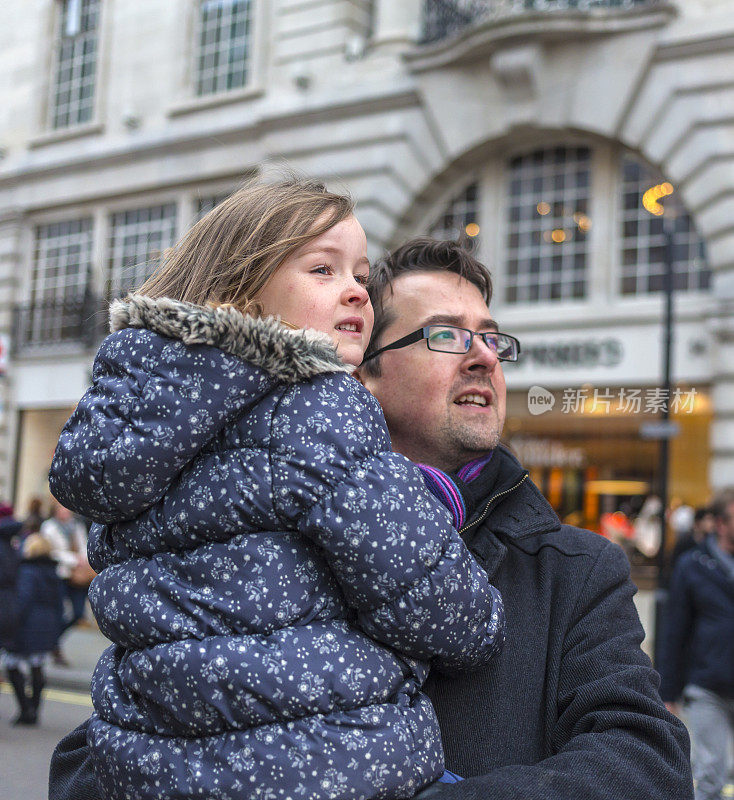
[{"x": 82, "y": 647}]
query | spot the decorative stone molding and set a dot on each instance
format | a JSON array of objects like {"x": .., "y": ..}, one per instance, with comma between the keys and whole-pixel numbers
[{"x": 507, "y": 23}]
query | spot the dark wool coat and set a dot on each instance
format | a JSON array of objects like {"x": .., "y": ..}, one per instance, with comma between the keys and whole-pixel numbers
[
  {"x": 253, "y": 512},
  {"x": 9, "y": 560},
  {"x": 698, "y": 641},
  {"x": 569, "y": 710},
  {"x": 40, "y": 595}
]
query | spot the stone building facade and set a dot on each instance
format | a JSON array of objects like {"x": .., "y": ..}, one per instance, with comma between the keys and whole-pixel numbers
[{"x": 531, "y": 127}]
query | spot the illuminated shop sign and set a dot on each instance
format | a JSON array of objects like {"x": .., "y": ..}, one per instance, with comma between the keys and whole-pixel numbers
[{"x": 592, "y": 353}]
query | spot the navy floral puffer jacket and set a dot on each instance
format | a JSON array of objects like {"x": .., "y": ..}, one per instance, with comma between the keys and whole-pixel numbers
[{"x": 257, "y": 541}]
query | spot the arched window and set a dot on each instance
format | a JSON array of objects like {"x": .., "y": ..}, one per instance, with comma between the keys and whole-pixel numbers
[
  {"x": 565, "y": 223},
  {"x": 458, "y": 220},
  {"x": 643, "y": 241},
  {"x": 547, "y": 225}
]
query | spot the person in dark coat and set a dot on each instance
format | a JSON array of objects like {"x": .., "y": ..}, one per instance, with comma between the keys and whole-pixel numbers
[
  {"x": 39, "y": 600},
  {"x": 570, "y": 709},
  {"x": 697, "y": 648},
  {"x": 10, "y": 530},
  {"x": 276, "y": 581}
]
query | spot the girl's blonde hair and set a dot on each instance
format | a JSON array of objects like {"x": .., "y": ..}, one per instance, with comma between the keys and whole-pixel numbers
[{"x": 231, "y": 253}]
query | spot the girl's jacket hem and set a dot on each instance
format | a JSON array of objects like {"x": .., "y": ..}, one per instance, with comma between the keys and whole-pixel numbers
[{"x": 253, "y": 526}]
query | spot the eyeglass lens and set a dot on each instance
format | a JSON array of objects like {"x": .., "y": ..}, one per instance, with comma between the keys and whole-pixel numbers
[{"x": 457, "y": 340}]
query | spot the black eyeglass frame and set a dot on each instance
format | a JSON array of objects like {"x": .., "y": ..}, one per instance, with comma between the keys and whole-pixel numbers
[{"x": 422, "y": 333}]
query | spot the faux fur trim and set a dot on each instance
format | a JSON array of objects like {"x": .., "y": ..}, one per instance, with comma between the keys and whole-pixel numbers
[{"x": 288, "y": 355}]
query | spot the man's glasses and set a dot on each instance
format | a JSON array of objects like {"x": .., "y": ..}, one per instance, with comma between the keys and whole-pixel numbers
[{"x": 449, "y": 339}]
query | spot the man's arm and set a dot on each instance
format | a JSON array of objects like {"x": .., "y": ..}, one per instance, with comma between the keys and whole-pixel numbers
[
  {"x": 613, "y": 738},
  {"x": 71, "y": 776}
]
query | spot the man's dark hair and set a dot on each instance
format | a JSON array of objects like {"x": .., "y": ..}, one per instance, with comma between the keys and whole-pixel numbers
[
  {"x": 722, "y": 502},
  {"x": 418, "y": 255}
]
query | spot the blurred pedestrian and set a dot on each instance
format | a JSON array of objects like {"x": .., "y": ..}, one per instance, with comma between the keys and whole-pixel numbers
[
  {"x": 697, "y": 649},
  {"x": 39, "y": 597},
  {"x": 647, "y": 536},
  {"x": 68, "y": 539},
  {"x": 9, "y": 559},
  {"x": 35, "y": 516},
  {"x": 703, "y": 525}
]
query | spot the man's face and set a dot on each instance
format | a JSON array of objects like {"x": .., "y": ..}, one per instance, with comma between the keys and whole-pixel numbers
[
  {"x": 725, "y": 530},
  {"x": 426, "y": 394}
]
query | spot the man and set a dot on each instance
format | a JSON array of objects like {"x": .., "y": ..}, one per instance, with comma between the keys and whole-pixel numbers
[
  {"x": 570, "y": 708},
  {"x": 697, "y": 650},
  {"x": 704, "y": 524}
]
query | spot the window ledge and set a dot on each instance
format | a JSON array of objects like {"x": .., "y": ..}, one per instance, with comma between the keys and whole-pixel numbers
[
  {"x": 66, "y": 134},
  {"x": 194, "y": 104},
  {"x": 485, "y": 36}
]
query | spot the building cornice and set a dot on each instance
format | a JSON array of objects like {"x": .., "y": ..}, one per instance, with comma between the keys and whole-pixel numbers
[{"x": 320, "y": 109}]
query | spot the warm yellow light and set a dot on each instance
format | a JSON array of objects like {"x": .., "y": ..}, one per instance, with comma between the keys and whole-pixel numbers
[
  {"x": 655, "y": 193},
  {"x": 584, "y": 223},
  {"x": 558, "y": 235},
  {"x": 543, "y": 208},
  {"x": 472, "y": 229},
  {"x": 617, "y": 487}
]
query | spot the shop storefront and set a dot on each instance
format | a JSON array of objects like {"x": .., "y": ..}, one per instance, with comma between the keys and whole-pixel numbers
[
  {"x": 596, "y": 456},
  {"x": 584, "y": 413}
]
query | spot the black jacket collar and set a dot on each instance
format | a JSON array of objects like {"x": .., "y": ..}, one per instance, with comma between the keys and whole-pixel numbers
[{"x": 515, "y": 509}]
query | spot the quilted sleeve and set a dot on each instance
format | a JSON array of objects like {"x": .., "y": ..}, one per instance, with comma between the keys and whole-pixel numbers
[
  {"x": 391, "y": 545},
  {"x": 154, "y": 403}
]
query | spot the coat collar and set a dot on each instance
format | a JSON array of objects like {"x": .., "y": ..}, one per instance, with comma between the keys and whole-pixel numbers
[
  {"x": 520, "y": 511},
  {"x": 288, "y": 355}
]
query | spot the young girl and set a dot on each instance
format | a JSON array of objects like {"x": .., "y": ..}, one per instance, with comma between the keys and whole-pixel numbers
[{"x": 274, "y": 578}]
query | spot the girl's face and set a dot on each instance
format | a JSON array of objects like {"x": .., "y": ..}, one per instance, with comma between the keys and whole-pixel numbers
[{"x": 322, "y": 286}]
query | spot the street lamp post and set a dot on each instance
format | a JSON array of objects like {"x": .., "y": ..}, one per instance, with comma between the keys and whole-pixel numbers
[{"x": 650, "y": 201}]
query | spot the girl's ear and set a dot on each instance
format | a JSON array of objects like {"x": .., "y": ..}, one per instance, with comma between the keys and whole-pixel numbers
[{"x": 357, "y": 374}]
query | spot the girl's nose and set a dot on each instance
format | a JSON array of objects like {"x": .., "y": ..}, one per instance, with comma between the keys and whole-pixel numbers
[{"x": 356, "y": 293}]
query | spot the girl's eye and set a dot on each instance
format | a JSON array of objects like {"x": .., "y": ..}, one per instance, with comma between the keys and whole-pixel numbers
[
  {"x": 362, "y": 280},
  {"x": 322, "y": 269}
]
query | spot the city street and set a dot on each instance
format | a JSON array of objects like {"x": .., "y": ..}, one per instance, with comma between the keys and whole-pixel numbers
[{"x": 26, "y": 752}]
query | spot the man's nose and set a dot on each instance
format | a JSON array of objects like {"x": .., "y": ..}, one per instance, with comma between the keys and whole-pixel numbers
[{"x": 480, "y": 356}]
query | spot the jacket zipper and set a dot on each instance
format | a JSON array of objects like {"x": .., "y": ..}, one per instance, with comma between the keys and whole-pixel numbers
[{"x": 489, "y": 503}]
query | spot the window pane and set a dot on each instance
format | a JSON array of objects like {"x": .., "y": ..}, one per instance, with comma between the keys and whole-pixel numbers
[
  {"x": 61, "y": 268},
  {"x": 205, "y": 204},
  {"x": 643, "y": 239},
  {"x": 138, "y": 238},
  {"x": 223, "y": 45},
  {"x": 459, "y": 219},
  {"x": 548, "y": 229},
  {"x": 75, "y": 64}
]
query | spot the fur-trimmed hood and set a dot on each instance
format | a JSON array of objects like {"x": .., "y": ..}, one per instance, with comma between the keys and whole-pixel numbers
[{"x": 288, "y": 355}]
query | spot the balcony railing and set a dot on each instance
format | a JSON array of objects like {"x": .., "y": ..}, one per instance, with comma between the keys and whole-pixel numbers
[
  {"x": 48, "y": 323},
  {"x": 445, "y": 18}
]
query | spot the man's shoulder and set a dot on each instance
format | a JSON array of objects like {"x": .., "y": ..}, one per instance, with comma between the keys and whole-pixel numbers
[{"x": 568, "y": 542}]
